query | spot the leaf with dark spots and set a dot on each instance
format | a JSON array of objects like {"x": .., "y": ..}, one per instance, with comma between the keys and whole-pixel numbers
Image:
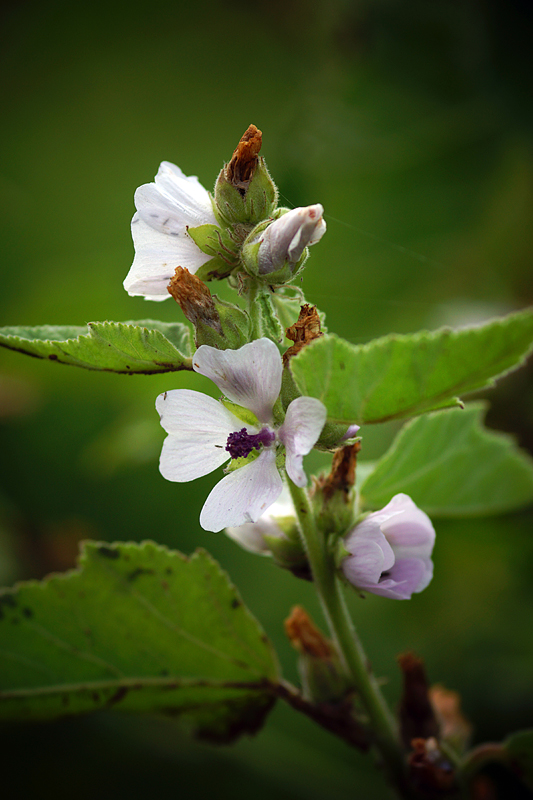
[
  {"x": 112, "y": 634},
  {"x": 108, "y": 552}
]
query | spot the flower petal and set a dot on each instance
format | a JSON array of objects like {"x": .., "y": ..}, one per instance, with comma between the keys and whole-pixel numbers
[
  {"x": 174, "y": 201},
  {"x": 243, "y": 495},
  {"x": 249, "y": 376},
  {"x": 408, "y": 575},
  {"x": 156, "y": 257},
  {"x": 371, "y": 554},
  {"x": 411, "y": 530},
  {"x": 302, "y": 426},
  {"x": 198, "y": 429}
]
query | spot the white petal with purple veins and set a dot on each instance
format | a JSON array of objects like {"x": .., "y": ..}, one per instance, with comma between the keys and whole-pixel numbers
[
  {"x": 156, "y": 257},
  {"x": 198, "y": 429},
  {"x": 243, "y": 495},
  {"x": 159, "y": 229},
  {"x": 303, "y": 425},
  {"x": 249, "y": 376}
]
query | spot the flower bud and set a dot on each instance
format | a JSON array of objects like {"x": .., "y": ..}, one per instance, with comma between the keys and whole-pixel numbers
[
  {"x": 276, "y": 252},
  {"x": 275, "y": 534},
  {"x": 244, "y": 192},
  {"x": 389, "y": 552},
  {"x": 217, "y": 323},
  {"x": 333, "y": 495},
  {"x": 321, "y": 673}
]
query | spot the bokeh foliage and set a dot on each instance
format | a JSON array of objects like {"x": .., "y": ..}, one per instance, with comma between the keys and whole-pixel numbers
[{"x": 411, "y": 124}]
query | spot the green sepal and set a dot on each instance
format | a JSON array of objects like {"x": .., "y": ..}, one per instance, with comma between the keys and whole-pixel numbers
[
  {"x": 289, "y": 390},
  {"x": 247, "y": 416},
  {"x": 287, "y": 552},
  {"x": 332, "y": 437},
  {"x": 250, "y": 254},
  {"x": 222, "y": 244},
  {"x": 334, "y": 514},
  {"x": 247, "y": 206},
  {"x": 237, "y": 463},
  {"x": 270, "y": 323},
  {"x": 234, "y": 327}
]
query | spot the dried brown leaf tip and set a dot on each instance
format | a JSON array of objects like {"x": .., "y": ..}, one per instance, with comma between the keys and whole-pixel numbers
[
  {"x": 241, "y": 168},
  {"x": 417, "y": 717},
  {"x": 454, "y": 725},
  {"x": 305, "y": 330},
  {"x": 305, "y": 636},
  {"x": 430, "y": 771},
  {"x": 342, "y": 475},
  {"x": 194, "y": 298}
]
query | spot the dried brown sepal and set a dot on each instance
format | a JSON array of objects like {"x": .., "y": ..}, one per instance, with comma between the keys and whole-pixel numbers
[
  {"x": 305, "y": 636},
  {"x": 194, "y": 299},
  {"x": 342, "y": 475},
  {"x": 429, "y": 769},
  {"x": 305, "y": 330},
  {"x": 447, "y": 706},
  {"x": 241, "y": 168},
  {"x": 416, "y": 713}
]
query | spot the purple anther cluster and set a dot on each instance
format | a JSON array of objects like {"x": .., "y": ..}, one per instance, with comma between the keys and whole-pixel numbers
[{"x": 241, "y": 443}]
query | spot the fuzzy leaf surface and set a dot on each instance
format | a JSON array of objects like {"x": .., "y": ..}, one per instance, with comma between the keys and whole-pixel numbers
[
  {"x": 137, "y": 628},
  {"x": 405, "y": 375},
  {"x": 143, "y": 347},
  {"x": 452, "y": 466}
]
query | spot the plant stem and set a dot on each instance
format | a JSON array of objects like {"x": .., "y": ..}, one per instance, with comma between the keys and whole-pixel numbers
[
  {"x": 254, "y": 310},
  {"x": 381, "y": 721}
]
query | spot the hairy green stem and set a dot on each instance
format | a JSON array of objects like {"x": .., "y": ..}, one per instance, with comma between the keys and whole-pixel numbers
[
  {"x": 381, "y": 721},
  {"x": 254, "y": 310}
]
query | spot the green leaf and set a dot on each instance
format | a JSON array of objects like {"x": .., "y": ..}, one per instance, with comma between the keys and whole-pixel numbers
[
  {"x": 402, "y": 376},
  {"x": 144, "y": 347},
  {"x": 519, "y": 747},
  {"x": 137, "y": 628},
  {"x": 451, "y": 466}
]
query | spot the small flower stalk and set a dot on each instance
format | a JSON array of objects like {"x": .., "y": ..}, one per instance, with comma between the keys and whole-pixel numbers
[{"x": 389, "y": 552}]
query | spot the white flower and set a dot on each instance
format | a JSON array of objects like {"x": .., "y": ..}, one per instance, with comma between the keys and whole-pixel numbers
[
  {"x": 159, "y": 228},
  {"x": 251, "y": 535},
  {"x": 204, "y": 434},
  {"x": 390, "y": 550}
]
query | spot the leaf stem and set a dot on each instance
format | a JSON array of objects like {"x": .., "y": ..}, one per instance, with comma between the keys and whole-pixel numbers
[{"x": 381, "y": 722}]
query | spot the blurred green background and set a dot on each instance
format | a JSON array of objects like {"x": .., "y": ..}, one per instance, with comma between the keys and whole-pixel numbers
[{"x": 411, "y": 122}]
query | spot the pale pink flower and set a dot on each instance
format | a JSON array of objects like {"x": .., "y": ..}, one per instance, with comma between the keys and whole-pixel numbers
[
  {"x": 204, "y": 434},
  {"x": 390, "y": 550}
]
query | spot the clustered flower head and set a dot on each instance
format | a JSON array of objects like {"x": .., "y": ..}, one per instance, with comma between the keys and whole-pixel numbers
[
  {"x": 390, "y": 550},
  {"x": 203, "y": 433},
  {"x": 175, "y": 204}
]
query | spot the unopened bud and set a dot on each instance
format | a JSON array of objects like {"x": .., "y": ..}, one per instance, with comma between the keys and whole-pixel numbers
[
  {"x": 323, "y": 680},
  {"x": 333, "y": 495},
  {"x": 275, "y": 534},
  {"x": 276, "y": 251},
  {"x": 216, "y": 322},
  {"x": 244, "y": 192}
]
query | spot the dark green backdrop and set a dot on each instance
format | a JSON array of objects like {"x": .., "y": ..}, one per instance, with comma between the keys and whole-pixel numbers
[{"x": 411, "y": 123}]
